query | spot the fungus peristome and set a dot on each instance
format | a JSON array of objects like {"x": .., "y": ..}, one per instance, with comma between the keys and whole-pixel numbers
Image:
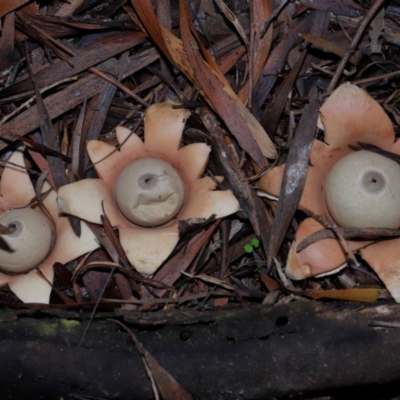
[
  {"x": 348, "y": 116},
  {"x": 149, "y": 192},
  {"x": 16, "y": 192},
  {"x": 147, "y": 244}
]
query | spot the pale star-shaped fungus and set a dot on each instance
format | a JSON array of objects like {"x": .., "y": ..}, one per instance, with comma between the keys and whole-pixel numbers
[
  {"x": 147, "y": 187},
  {"x": 348, "y": 116},
  {"x": 35, "y": 242}
]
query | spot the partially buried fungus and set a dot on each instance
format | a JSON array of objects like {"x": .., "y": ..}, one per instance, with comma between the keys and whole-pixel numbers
[
  {"x": 29, "y": 241},
  {"x": 32, "y": 242},
  {"x": 146, "y": 188},
  {"x": 354, "y": 189},
  {"x": 362, "y": 190}
]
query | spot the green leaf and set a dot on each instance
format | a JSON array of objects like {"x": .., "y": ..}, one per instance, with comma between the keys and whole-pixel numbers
[
  {"x": 255, "y": 243},
  {"x": 248, "y": 248}
]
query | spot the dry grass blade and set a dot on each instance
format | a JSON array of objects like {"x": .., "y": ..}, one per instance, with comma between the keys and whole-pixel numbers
[
  {"x": 363, "y": 25},
  {"x": 172, "y": 269},
  {"x": 60, "y": 294},
  {"x": 7, "y": 44},
  {"x": 7, "y": 6},
  {"x": 95, "y": 52},
  {"x": 210, "y": 279},
  {"x": 294, "y": 175},
  {"x": 39, "y": 195},
  {"x": 107, "y": 237},
  {"x": 109, "y": 231},
  {"x": 169, "y": 387},
  {"x": 77, "y": 146},
  {"x": 332, "y": 47},
  {"x": 62, "y": 27},
  {"x": 215, "y": 91},
  {"x": 335, "y": 7},
  {"x": 209, "y": 80},
  {"x": 56, "y": 165},
  {"x": 261, "y": 137},
  {"x": 163, "y": 9},
  {"x": 26, "y": 25},
  {"x": 276, "y": 12},
  {"x": 9, "y": 135},
  {"x": 277, "y": 59},
  {"x": 67, "y": 9},
  {"x": 84, "y": 267},
  {"x": 229, "y": 167},
  {"x": 73, "y": 95},
  {"x": 260, "y": 44},
  {"x": 377, "y": 150},
  {"x": 95, "y": 307},
  {"x": 101, "y": 102},
  {"x": 348, "y": 233},
  {"x": 230, "y": 16},
  {"x": 273, "y": 113},
  {"x": 286, "y": 282},
  {"x": 338, "y": 233}
]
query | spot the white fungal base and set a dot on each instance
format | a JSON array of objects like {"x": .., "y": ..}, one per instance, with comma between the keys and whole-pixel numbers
[
  {"x": 30, "y": 241},
  {"x": 149, "y": 192},
  {"x": 363, "y": 190}
]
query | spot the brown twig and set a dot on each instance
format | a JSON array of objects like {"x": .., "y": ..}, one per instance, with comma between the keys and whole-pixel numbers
[
  {"x": 389, "y": 75},
  {"x": 353, "y": 45},
  {"x": 119, "y": 86},
  {"x": 93, "y": 70},
  {"x": 348, "y": 233},
  {"x": 142, "y": 351},
  {"x": 330, "y": 225},
  {"x": 273, "y": 16},
  {"x": 95, "y": 307}
]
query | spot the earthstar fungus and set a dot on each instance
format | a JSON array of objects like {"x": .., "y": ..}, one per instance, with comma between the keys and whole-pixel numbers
[
  {"x": 29, "y": 242},
  {"x": 145, "y": 188},
  {"x": 362, "y": 190},
  {"x": 336, "y": 176},
  {"x": 157, "y": 196},
  {"x": 34, "y": 241}
]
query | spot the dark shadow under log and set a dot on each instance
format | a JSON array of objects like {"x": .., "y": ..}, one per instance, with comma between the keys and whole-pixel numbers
[{"x": 260, "y": 353}]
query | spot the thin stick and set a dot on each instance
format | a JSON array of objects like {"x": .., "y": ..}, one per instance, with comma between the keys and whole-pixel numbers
[
  {"x": 94, "y": 70},
  {"x": 353, "y": 45},
  {"x": 273, "y": 16},
  {"x": 32, "y": 99},
  {"x": 142, "y": 351},
  {"x": 389, "y": 75},
  {"x": 95, "y": 307},
  {"x": 120, "y": 145},
  {"x": 329, "y": 225},
  {"x": 169, "y": 300},
  {"x": 119, "y": 86}
]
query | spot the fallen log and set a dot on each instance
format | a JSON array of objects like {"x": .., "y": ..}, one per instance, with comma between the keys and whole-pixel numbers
[{"x": 300, "y": 349}]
